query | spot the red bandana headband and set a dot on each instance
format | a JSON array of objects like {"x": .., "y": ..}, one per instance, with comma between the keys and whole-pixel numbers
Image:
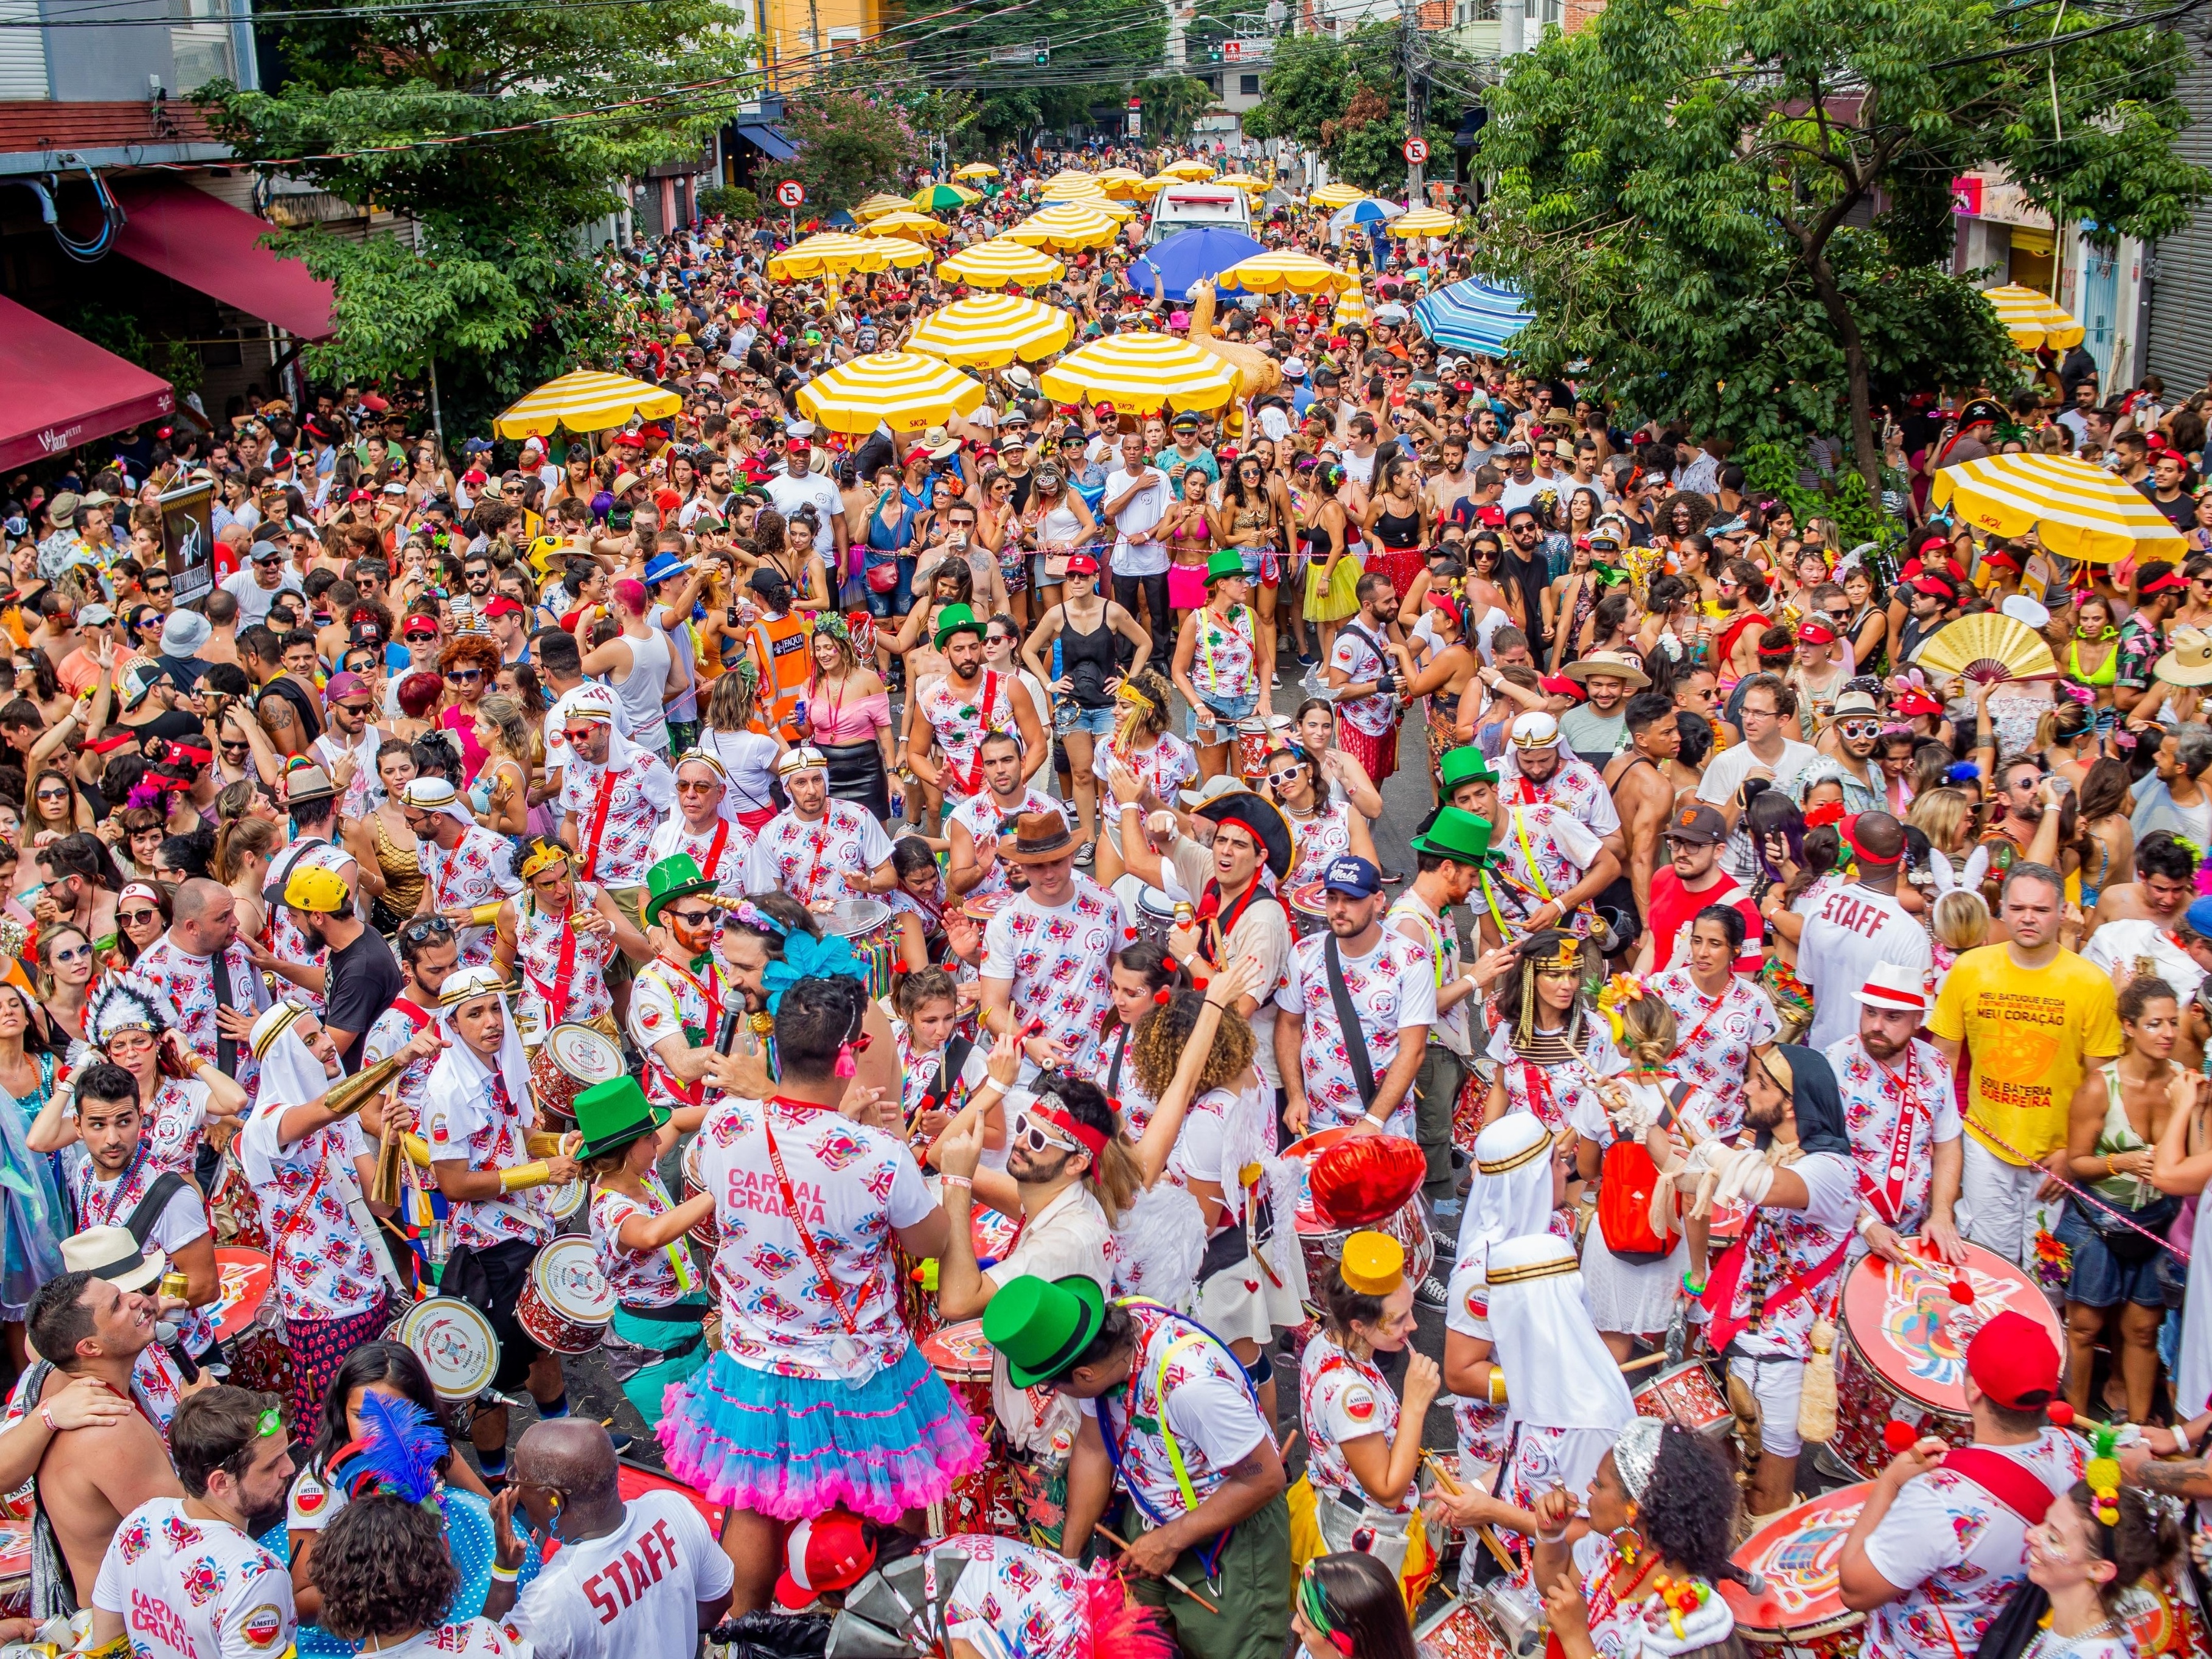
[
  {"x": 1048, "y": 1108},
  {"x": 1851, "y": 838}
]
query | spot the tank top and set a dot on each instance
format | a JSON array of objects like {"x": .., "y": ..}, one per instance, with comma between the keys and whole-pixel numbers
[
  {"x": 1088, "y": 660},
  {"x": 2117, "y": 1135},
  {"x": 1398, "y": 531},
  {"x": 2104, "y": 673},
  {"x": 1059, "y": 527},
  {"x": 640, "y": 689}
]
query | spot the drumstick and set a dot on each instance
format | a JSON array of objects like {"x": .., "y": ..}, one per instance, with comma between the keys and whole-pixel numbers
[
  {"x": 1482, "y": 1528},
  {"x": 1645, "y": 1363},
  {"x": 1172, "y": 1581}
]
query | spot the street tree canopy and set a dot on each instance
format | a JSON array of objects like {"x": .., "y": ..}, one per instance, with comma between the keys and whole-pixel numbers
[
  {"x": 1743, "y": 211},
  {"x": 1097, "y": 52},
  {"x": 1345, "y": 97}
]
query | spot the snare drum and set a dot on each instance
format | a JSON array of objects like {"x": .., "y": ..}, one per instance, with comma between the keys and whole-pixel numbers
[
  {"x": 1155, "y": 917},
  {"x": 455, "y": 1343},
  {"x": 1904, "y": 1353},
  {"x": 566, "y": 1304},
  {"x": 1309, "y": 909},
  {"x": 1686, "y": 1394},
  {"x": 1458, "y": 1631},
  {"x": 868, "y": 925},
  {"x": 565, "y": 1201},
  {"x": 1799, "y": 1554},
  {"x": 1322, "y": 1245},
  {"x": 1255, "y": 738},
  {"x": 570, "y": 1061},
  {"x": 707, "y": 1230},
  {"x": 992, "y": 1233},
  {"x": 247, "y": 1276}
]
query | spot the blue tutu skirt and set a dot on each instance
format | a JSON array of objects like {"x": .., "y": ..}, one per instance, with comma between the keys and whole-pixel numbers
[{"x": 790, "y": 1447}]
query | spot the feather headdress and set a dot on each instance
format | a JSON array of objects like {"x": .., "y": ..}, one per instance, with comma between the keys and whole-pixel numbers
[
  {"x": 399, "y": 1452},
  {"x": 126, "y": 1002}
]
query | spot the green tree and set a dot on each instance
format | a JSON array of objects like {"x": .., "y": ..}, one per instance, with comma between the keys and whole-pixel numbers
[
  {"x": 401, "y": 105},
  {"x": 1172, "y": 104},
  {"x": 851, "y": 144},
  {"x": 1687, "y": 194},
  {"x": 1099, "y": 49},
  {"x": 1345, "y": 97}
]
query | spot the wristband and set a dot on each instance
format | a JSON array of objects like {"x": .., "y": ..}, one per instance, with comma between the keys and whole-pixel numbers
[
  {"x": 1864, "y": 1222},
  {"x": 505, "y": 1575},
  {"x": 533, "y": 1174},
  {"x": 46, "y": 1417},
  {"x": 1369, "y": 1117},
  {"x": 1558, "y": 1537},
  {"x": 1497, "y": 1385},
  {"x": 966, "y": 1184},
  {"x": 1691, "y": 1290}
]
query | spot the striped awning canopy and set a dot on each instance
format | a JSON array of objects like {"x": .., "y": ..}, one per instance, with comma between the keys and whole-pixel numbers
[
  {"x": 2076, "y": 510},
  {"x": 993, "y": 330},
  {"x": 975, "y": 170},
  {"x": 998, "y": 262},
  {"x": 586, "y": 401},
  {"x": 902, "y": 390},
  {"x": 1471, "y": 316},
  {"x": 1190, "y": 172},
  {"x": 1139, "y": 374},
  {"x": 877, "y": 205}
]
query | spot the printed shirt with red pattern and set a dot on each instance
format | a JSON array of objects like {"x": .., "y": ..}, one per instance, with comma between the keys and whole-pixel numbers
[
  {"x": 625, "y": 842},
  {"x": 478, "y": 870},
  {"x": 1558, "y": 848},
  {"x": 646, "y": 1278},
  {"x": 1391, "y": 987},
  {"x": 184, "y": 1220},
  {"x": 394, "y": 1030},
  {"x": 1223, "y": 658},
  {"x": 665, "y": 1001},
  {"x": 468, "y": 1638},
  {"x": 325, "y": 1268},
  {"x": 1058, "y": 963},
  {"x": 172, "y": 1137},
  {"x": 1126, "y": 1095},
  {"x": 1163, "y": 769},
  {"x": 153, "y": 1375},
  {"x": 960, "y": 722},
  {"x": 1031, "y": 1599},
  {"x": 188, "y": 1589},
  {"x": 1793, "y": 1243},
  {"x": 1575, "y": 786},
  {"x": 1207, "y": 1400},
  {"x": 189, "y": 982},
  {"x": 728, "y": 874},
  {"x": 816, "y": 858},
  {"x": 980, "y": 817},
  {"x": 1957, "y": 1551},
  {"x": 853, "y": 1184},
  {"x": 1326, "y": 835},
  {"x": 1616, "y": 1630},
  {"x": 1341, "y": 1398},
  {"x": 283, "y": 933},
  {"x": 1714, "y": 1042},
  {"x": 1872, "y": 1094},
  {"x": 492, "y": 1135},
  {"x": 538, "y": 937},
  {"x": 1376, "y": 714},
  {"x": 1554, "y": 1093}
]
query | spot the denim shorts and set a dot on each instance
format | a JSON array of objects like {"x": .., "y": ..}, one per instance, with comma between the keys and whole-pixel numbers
[
  {"x": 2100, "y": 1279},
  {"x": 1227, "y": 711}
]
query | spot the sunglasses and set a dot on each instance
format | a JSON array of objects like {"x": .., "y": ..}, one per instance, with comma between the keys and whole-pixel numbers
[
  {"x": 692, "y": 918},
  {"x": 464, "y": 676},
  {"x": 78, "y": 953},
  {"x": 695, "y": 785},
  {"x": 1036, "y": 1135},
  {"x": 151, "y": 588},
  {"x": 417, "y": 637},
  {"x": 1284, "y": 780},
  {"x": 577, "y": 734},
  {"x": 134, "y": 918},
  {"x": 422, "y": 927},
  {"x": 236, "y": 748},
  {"x": 53, "y": 795}
]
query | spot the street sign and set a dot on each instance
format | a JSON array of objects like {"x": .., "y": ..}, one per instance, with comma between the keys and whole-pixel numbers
[
  {"x": 1010, "y": 54},
  {"x": 791, "y": 193},
  {"x": 1416, "y": 151}
]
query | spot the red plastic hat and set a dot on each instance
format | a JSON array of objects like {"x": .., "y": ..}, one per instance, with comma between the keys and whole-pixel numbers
[
  {"x": 1908, "y": 704},
  {"x": 1360, "y": 1180},
  {"x": 2168, "y": 583},
  {"x": 1814, "y": 632},
  {"x": 2014, "y": 1361},
  {"x": 829, "y": 1554}
]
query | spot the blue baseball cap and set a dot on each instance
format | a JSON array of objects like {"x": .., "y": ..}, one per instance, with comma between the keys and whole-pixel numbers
[
  {"x": 1355, "y": 877},
  {"x": 2198, "y": 915}
]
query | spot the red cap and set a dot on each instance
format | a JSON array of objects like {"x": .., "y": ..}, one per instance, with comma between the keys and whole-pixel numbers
[
  {"x": 1493, "y": 516},
  {"x": 829, "y": 1554},
  {"x": 1813, "y": 633},
  {"x": 1103, "y": 408},
  {"x": 667, "y": 501},
  {"x": 2014, "y": 1361},
  {"x": 501, "y": 606},
  {"x": 2002, "y": 558},
  {"x": 1935, "y": 585},
  {"x": 654, "y": 434},
  {"x": 2169, "y": 583},
  {"x": 1559, "y": 685},
  {"x": 1082, "y": 565}
]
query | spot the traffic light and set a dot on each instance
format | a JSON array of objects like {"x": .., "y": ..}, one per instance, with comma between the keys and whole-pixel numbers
[{"x": 1044, "y": 54}]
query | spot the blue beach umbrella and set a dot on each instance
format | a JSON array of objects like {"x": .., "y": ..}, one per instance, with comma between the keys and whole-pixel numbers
[
  {"x": 1472, "y": 315},
  {"x": 1190, "y": 256}
]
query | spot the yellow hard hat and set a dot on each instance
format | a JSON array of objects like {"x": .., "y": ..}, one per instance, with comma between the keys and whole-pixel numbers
[{"x": 310, "y": 888}]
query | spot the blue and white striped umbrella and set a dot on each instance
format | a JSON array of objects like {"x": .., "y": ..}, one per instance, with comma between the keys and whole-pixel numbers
[{"x": 1472, "y": 316}]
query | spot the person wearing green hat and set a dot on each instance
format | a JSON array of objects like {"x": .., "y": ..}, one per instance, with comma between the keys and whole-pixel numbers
[
  {"x": 1462, "y": 769},
  {"x": 638, "y": 1232},
  {"x": 1221, "y": 665},
  {"x": 1169, "y": 1412},
  {"x": 680, "y": 997},
  {"x": 1450, "y": 852},
  {"x": 954, "y": 711}
]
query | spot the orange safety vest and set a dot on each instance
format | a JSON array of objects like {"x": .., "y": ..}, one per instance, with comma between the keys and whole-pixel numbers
[{"x": 779, "y": 651}]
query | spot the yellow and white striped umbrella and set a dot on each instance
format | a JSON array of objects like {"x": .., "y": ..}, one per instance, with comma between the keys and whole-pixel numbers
[
  {"x": 1351, "y": 307},
  {"x": 993, "y": 330},
  {"x": 1138, "y": 372},
  {"x": 2076, "y": 510},
  {"x": 907, "y": 223},
  {"x": 1190, "y": 171},
  {"x": 903, "y": 254},
  {"x": 586, "y": 401},
  {"x": 1087, "y": 197},
  {"x": 975, "y": 170},
  {"x": 1120, "y": 181},
  {"x": 2032, "y": 318},
  {"x": 1336, "y": 196},
  {"x": 1066, "y": 224},
  {"x": 1423, "y": 221},
  {"x": 998, "y": 262},
  {"x": 902, "y": 390},
  {"x": 1242, "y": 181},
  {"x": 879, "y": 204},
  {"x": 1284, "y": 268},
  {"x": 1071, "y": 176},
  {"x": 831, "y": 253},
  {"x": 1153, "y": 186}
]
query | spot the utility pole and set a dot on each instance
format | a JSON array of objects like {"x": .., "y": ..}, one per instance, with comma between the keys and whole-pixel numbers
[{"x": 1416, "y": 97}]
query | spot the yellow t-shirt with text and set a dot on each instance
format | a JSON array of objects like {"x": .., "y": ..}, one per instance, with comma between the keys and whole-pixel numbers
[{"x": 2030, "y": 1033}]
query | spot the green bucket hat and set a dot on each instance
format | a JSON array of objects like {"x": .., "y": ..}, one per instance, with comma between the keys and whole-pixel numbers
[
  {"x": 612, "y": 1115},
  {"x": 1466, "y": 764},
  {"x": 1041, "y": 1327},
  {"x": 956, "y": 619},
  {"x": 1459, "y": 837},
  {"x": 670, "y": 880},
  {"x": 1224, "y": 564}
]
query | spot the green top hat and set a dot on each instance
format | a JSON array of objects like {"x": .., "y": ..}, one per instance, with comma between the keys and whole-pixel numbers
[
  {"x": 1041, "y": 1327},
  {"x": 1466, "y": 764},
  {"x": 672, "y": 878},
  {"x": 613, "y": 1114},
  {"x": 956, "y": 619},
  {"x": 1459, "y": 837},
  {"x": 1225, "y": 563}
]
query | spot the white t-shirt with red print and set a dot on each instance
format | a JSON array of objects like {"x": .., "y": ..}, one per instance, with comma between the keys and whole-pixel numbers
[
  {"x": 1200, "y": 1391},
  {"x": 1714, "y": 1036},
  {"x": 1164, "y": 768},
  {"x": 1376, "y": 714},
  {"x": 478, "y": 870},
  {"x": 1393, "y": 989},
  {"x": 817, "y": 859},
  {"x": 647, "y": 1277},
  {"x": 1342, "y": 1398},
  {"x": 325, "y": 1268},
  {"x": 1058, "y": 961},
  {"x": 189, "y": 982},
  {"x": 621, "y": 850},
  {"x": 491, "y": 1133},
  {"x": 980, "y": 817},
  {"x": 188, "y": 1589},
  {"x": 1876, "y": 1101},
  {"x": 962, "y": 720}
]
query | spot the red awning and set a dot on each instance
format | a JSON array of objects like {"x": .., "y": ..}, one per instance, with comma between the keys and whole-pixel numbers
[
  {"x": 67, "y": 389},
  {"x": 213, "y": 246}
]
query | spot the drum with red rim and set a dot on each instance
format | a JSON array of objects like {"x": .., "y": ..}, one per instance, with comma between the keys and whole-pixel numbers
[
  {"x": 1309, "y": 907},
  {"x": 456, "y": 1344},
  {"x": 1254, "y": 739},
  {"x": 705, "y": 1230},
  {"x": 987, "y": 1500},
  {"x": 566, "y": 1302},
  {"x": 1458, "y": 1631},
  {"x": 570, "y": 1061},
  {"x": 1904, "y": 1353},
  {"x": 1799, "y": 1555},
  {"x": 1687, "y": 1395},
  {"x": 1323, "y": 1244}
]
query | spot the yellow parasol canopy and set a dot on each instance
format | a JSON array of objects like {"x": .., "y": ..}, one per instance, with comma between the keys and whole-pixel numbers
[
  {"x": 993, "y": 330},
  {"x": 975, "y": 170},
  {"x": 2076, "y": 510},
  {"x": 1423, "y": 221},
  {"x": 1088, "y": 197},
  {"x": 1070, "y": 176},
  {"x": 1151, "y": 186},
  {"x": 1336, "y": 196},
  {"x": 1191, "y": 171},
  {"x": 902, "y": 390},
  {"x": 1138, "y": 372},
  {"x": 1284, "y": 268},
  {"x": 1351, "y": 307},
  {"x": 829, "y": 253},
  {"x": 1120, "y": 181},
  {"x": 586, "y": 401},
  {"x": 903, "y": 254},
  {"x": 907, "y": 223},
  {"x": 1064, "y": 225},
  {"x": 2031, "y": 318},
  {"x": 1242, "y": 181},
  {"x": 998, "y": 262},
  {"x": 877, "y": 205}
]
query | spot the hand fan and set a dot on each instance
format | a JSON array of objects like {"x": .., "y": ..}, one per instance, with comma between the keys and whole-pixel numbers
[{"x": 1988, "y": 645}]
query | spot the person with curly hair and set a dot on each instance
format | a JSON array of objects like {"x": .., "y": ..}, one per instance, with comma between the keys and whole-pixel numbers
[
  {"x": 467, "y": 666},
  {"x": 387, "y": 1581}
]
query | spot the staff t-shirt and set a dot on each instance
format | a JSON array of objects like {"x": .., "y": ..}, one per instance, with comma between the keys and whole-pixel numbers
[
  {"x": 2030, "y": 1033},
  {"x": 633, "y": 1593},
  {"x": 1854, "y": 928}
]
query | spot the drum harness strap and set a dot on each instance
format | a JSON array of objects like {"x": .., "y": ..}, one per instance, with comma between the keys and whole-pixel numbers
[
  {"x": 602, "y": 798},
  {"x": 1719, "y": 1299},
  {"x": 693, "y": 1093},
  {"x": 1197, "y": 1336},
  {"x": 556, "y": 996},
  {"x": 830, "y": 1286}
]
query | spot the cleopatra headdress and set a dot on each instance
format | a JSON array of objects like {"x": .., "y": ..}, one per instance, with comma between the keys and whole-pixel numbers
[{"x": 1551, "y": 951}]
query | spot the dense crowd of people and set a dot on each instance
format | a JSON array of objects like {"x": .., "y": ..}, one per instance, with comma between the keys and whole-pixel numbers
[{"x": 896, "y": 942}]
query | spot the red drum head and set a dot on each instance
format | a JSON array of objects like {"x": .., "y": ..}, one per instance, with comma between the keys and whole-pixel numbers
[
  {"x": 958, "y": 1352},
  {"x": 1801, "y": 1556},
  {"x": 1905, "y": 1324},
  {"x": 247, "y": 1276}
]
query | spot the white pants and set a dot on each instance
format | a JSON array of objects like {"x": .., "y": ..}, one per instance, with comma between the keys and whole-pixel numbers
[
  {"x": 1776, "y": 1383},
  {"x": 1999, "y": 1199}
]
